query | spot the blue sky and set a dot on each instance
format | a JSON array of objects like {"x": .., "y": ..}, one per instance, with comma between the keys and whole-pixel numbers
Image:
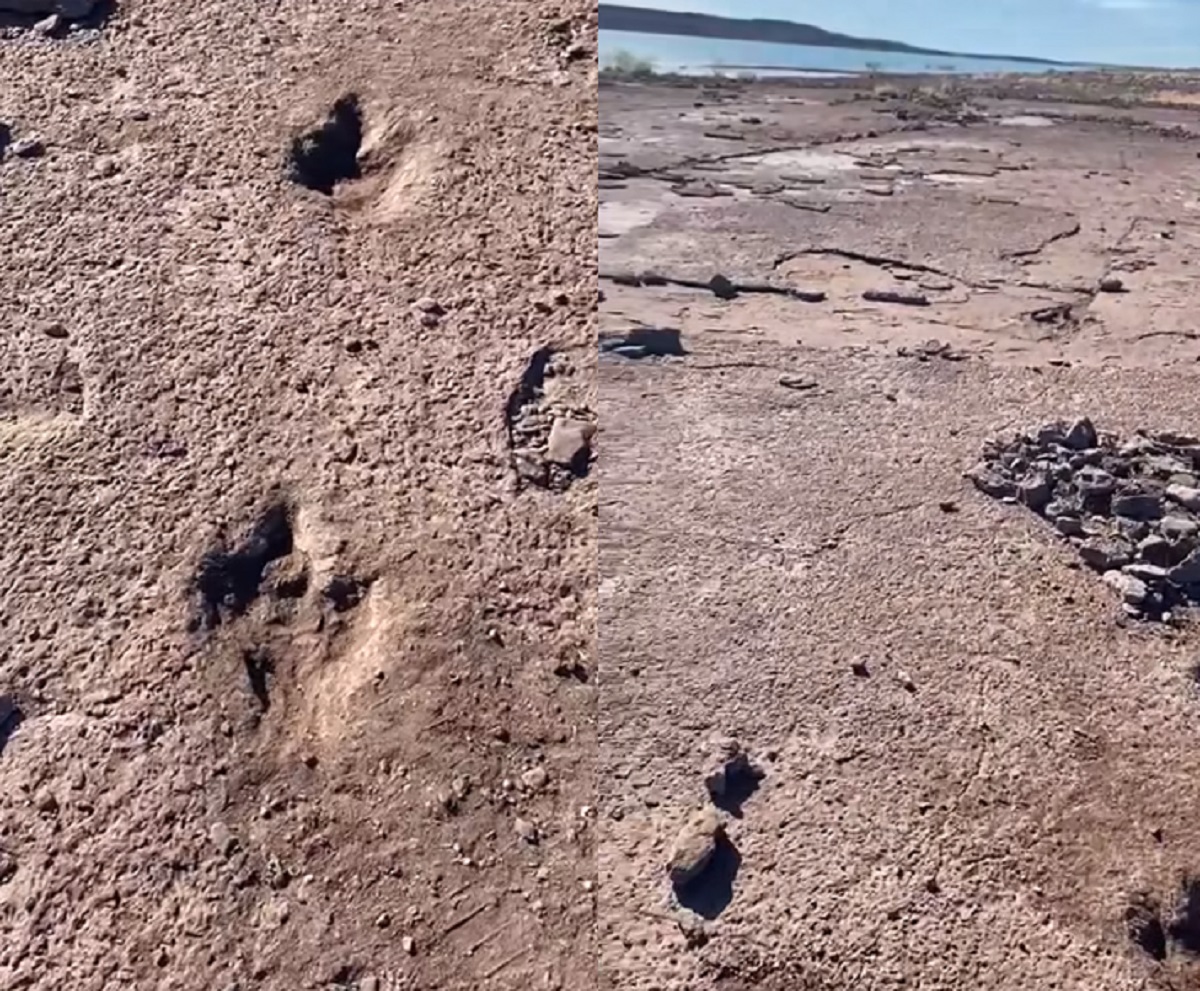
[{"x": 1129, "y": 32}]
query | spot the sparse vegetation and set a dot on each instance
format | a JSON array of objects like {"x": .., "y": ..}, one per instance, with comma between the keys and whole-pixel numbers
[{"x": 626, "y": 65}]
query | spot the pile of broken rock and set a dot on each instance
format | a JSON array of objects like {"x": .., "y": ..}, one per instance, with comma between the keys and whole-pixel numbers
[{"x": 1131, "y": 509}]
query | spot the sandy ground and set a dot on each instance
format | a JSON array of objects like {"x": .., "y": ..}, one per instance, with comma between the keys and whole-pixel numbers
[
  {"x": 974, "y": 765},
  {"x": 369, "y": 766}
]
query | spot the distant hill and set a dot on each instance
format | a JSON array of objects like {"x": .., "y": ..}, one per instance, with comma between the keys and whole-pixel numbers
[{"x": 617, "y": 17}]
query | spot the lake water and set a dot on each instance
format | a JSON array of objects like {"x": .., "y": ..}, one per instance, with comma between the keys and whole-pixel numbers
[{"x": 675, "y": 53}]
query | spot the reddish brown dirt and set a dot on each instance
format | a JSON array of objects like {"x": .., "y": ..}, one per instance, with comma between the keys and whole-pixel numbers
[
  {"x": 191, "y": 338},
  {"x": 975, "y": 767}
]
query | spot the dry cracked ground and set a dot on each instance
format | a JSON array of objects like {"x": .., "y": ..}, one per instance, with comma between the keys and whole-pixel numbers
[
  {"x": 978, "y": 771},
  {"x": 296, "y": 406}
]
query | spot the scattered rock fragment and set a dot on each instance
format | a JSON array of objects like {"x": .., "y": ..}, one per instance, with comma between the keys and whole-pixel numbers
[
  {"x": 644, "y": 342},
  {"x": 526, "y": 830},
  {"x": 1081, "y": 435},
  {"x": 797, "y": 382},
  {"x": 1133, "y": 590},
  {"x": 694, "y": 928},
  {"x": 1137, "y": 505},
  {"x": 694, "y": 846},
  {"x": 992, "y": 482},
  {"x": 27, "y": 148},
  {"x": 536, "y": 778},
  {"x": 1185, "y": 495},
  {"x": 900, "y": 298},
  {"x": 49, "y": 26},
  {"x": 222, "y": 838},
  {"x": 570, "y": 443},
  {"x": 931, "y": 349},
  {"x": 1124, "y": 506},
  {"x": 722, "y": 287},
  {"x": 731, "y": 774},
  {"x": 1106, "y": 555},
  {"x": 550, "y": 442},
  {"x": 1111, "y": 284},
  {"x": 700, "y": 190}
]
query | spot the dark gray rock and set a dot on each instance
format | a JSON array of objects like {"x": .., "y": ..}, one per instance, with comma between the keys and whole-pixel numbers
[
  {"x": 1185, "y": 496},
  {"x": 1132, "y": 510},
  {"x": 1061, "y": 506},
  {"x": 1035, "y": 492},
  {"x": 1178, "y": 528},
  {"x": 1133, "y": 590},
  {"x": 27, "y": 147},
  {"x": 1187, "y": 572},
  {"x": 1069, "y": 526},
  {"x": 1135, "y": 531},
  {"x": 1137, "y": 505},
  {"x": 1106, "y": 555},
  {"x": 1152, "y": 574},
  {"x": 1164, "y": 465},
  {"x": 1081, "y": 435},
  {"x": 694, "y": 846},
  {"x": 1155, "y": 550},
  {"x": 1171, "y": 439},
  {"x": 659, "y": 342},
  {"x": 1092, "y": 481},
  {"x": 992, "y": 482},
  {"x": 1051, "y": 435}
]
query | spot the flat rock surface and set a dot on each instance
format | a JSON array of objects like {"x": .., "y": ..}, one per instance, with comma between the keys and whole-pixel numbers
[
  {"x": 975, "y": 763},
  {"x": 300, "y": 787}
]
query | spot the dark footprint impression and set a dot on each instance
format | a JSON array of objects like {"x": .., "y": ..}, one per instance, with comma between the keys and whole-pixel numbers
[
  {"x": 227, "y": 581},
  {"x": 1160, "y": 937},
  {"x": 343, "y": 592},
  {"x": 710, "y": 894},
  {"x": 1143, "y": 920},
  {"x": 529, "y": 390},
  {"x": 260, "y": 669},
  {"x": 741, "y": 781},
  {"x": 1184, "y": 926},
  {"x": 327, "y": 155},
  {"x": 83, "y": 13},
  {"x": 11, "y": 717}
]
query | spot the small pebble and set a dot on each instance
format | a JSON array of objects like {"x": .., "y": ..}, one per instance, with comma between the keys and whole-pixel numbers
[
  {"x": 426, "y": 304},
  {"x": 694, "y": 846},
  {"x": 526, "y": 830},
  {"x": 27, "y": 148},
  {"x": 536, "y": 778}
]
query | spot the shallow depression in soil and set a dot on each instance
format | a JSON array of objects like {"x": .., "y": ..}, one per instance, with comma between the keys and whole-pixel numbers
[
  {"x": 1026, "y": 120},
  {"x": 817, "y": 162},
  {"x": 620, "y": 218}
]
